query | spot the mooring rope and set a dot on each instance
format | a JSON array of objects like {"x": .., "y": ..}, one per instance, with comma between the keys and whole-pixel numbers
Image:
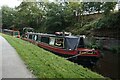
[{"x": 72, "y": 56}]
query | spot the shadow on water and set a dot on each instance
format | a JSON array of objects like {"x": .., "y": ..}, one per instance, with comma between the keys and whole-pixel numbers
[{"x": 108, "y": 66}]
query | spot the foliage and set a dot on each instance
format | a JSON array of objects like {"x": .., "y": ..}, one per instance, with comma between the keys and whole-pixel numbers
[
  {"x": 115, "y": 49},
  {"x": 92, "y": 6},
  {"x": 0, "y": 16},
  {"x": 52, "y": 17},
  {"x": 44, "y": 64},
  {"x": 108, "y": 7},
  {"x": 111, "y": 21},
  {"x": 105, "y": 7},
  {"x": 7, "y": 16},
  {"x": 59, "y": 17},
  {"x": 28, "y": 15},
  {"x": 85, "y": 28},
  {"x": 91, "y": 42}
]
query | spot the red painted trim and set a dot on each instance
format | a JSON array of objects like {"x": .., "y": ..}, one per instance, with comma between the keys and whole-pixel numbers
[
  {"x": 57, "y": 50},
  {"x": 97, "y": 53},
  {"x": 63, "y": 51}
]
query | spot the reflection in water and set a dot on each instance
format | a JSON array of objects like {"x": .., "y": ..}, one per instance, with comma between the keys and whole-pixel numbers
[{"x": 108, "y": 65}]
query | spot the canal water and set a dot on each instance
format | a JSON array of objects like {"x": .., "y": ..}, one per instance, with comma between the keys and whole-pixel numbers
[{"x": 108, "y": 66}]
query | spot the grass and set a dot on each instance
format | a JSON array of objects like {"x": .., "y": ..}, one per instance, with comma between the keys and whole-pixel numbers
[{"x": 44, "y": 64}]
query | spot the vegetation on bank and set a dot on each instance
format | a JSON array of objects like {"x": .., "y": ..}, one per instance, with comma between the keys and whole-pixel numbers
[
  {"x": 44, "y": 64},
  {"x": 111, "y": 45},
  {"x": 110, "y": 23},
  {"x": 52, "y": 17}
]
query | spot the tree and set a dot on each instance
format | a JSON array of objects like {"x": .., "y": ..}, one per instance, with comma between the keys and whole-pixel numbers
[
  {"x": 7, "y": 16},
  {"x": 51, "y": 17},
  {"x": 108, "y": 7},
  {"x": 0, "y": 18},
  {"x": 62, "y": 15},
  {"x": 93, "y": 7},
  {"x": 28, "y": 15}
]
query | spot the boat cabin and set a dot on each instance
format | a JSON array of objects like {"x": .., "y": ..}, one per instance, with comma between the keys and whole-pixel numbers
[
  {"x": 64, "y": 42},
  {"x": 71, "y": 47},
  {"x": 12, "y": 33}
]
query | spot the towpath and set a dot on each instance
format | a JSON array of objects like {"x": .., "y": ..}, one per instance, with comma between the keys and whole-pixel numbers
[{"x": 12, "y": 65}]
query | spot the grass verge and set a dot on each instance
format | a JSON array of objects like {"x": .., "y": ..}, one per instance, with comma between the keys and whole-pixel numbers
[{"x": 44, "y": 64}]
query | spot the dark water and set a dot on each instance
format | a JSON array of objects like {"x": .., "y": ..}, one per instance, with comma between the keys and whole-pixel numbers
[{"x": 108, "y": 66}]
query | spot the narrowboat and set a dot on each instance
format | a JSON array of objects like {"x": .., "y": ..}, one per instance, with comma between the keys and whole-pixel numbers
[
  {"x": 13, "y": 33},
  {"x": 68, "y": 46}
]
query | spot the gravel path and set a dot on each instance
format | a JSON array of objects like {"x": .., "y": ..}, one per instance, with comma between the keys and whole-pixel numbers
[{"x": 12, "y": 65}]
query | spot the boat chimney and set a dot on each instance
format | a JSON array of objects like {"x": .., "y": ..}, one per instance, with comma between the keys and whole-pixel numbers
[{"x": 63, "y": 33}]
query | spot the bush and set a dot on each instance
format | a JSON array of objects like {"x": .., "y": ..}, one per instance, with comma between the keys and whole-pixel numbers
[{"x": 109, "y": 21}]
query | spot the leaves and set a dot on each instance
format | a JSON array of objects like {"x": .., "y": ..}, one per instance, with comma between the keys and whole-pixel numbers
[
  {"x": 51, "y": 17},
  {"x": 7, "y": 16}
]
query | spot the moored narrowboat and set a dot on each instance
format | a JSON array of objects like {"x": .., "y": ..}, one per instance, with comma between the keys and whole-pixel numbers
[
  {"x": 68, "y": 46},
  {"x": 13, "y": 33}
]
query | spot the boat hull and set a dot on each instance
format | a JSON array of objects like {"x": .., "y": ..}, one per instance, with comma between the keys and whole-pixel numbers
[{"x": 68, "y": 54}]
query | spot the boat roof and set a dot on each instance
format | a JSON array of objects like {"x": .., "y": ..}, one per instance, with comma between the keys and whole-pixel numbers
[
  {"x": 71, "y": 37},
  {"x": 9, "y": 30},
  {"x": 52, "y": 35},
  {"x": 44, "y": 34}
]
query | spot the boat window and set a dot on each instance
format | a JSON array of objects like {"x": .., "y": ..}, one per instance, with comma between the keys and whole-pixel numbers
[
  {"x": 16, "y": 33},
  {"x": 59, "y": 42},
  {"x": 11, "y": 33},
  {"x": 52, "y": 41},
  {"x": 45, "y": 39},
  {"x": 30, "y": 36},
  {"x": 36, "y": 37},
  {"x": 25, "y": 35},
  {"x": 81, "y": 43},
  {"x": 39, "y": 39}
]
